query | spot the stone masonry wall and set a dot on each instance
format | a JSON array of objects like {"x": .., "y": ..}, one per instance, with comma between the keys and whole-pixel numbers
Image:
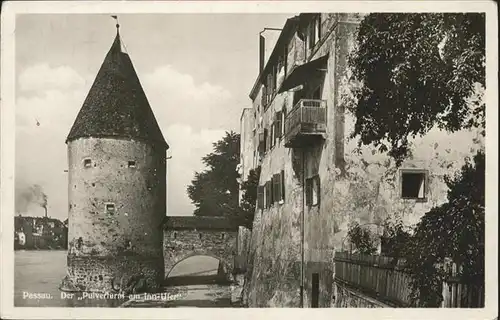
[
  {"x": 179, "y": 245},
  {"x": 110, "y": 274},
  {"x": 134, "y": 229}
]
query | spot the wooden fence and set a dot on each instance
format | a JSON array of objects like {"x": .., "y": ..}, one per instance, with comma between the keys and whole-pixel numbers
[
  {"x": 377, "y": 276},
  {"x": 384, "y": 278},
  {"x": 457, "y": 294}
]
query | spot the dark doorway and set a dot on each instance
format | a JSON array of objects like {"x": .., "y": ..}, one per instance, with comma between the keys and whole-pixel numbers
[{"x": 315, "y": 291}]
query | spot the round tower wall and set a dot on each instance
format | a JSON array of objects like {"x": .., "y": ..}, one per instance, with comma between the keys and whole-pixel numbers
[{"x": 117, "y": 203}]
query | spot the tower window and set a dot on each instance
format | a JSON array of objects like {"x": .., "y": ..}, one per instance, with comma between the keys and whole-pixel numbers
[
  {"x": 110, "y": 209},
  {"x": 87, "y": 163},
  {"x": 413, "y": 184},
  {"x": 131, "y": 164}
]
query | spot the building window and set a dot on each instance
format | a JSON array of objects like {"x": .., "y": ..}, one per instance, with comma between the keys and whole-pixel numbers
[
  {"x": 199, "y": 235},
  {"x": 175, "y": 235},
  {"x": 87, "y": 163},
  {"x": 278, "y": 127},
  {"x": 314, "y": 32},
  {"x": 222, "y": 236},
  {"x": 313, "y": 191},
  {"x": 131, "y": 164},
  {"x": 110, "y": 209},
  {"x": 413, "y": 184}
]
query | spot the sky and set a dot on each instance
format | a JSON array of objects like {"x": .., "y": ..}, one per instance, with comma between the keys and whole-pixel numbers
[{"x": 196, "y": 69}]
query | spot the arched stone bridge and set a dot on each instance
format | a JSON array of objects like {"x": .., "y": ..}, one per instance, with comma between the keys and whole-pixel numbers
[{"x": 185, "y": 237}]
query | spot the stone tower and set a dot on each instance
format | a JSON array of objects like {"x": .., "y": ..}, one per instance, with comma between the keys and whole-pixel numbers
[{"x": 117, "y": 184}]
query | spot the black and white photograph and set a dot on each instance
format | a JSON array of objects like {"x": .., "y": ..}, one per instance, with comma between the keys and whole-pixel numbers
[{"x": 253, "y": 155}]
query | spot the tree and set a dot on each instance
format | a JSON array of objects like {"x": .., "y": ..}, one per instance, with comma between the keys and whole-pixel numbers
[
  {"x": 454, "y": 230},
  {"x": 396, "y": 239},
  {"x": 417, "y": 71},
  {"x": 249, "y": 197},
  {"x": 214, "y": 191},
  {"x": 362, "y": 239}
]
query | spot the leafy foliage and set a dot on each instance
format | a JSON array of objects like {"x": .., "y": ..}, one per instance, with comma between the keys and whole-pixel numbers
[
  {"x": 396, "y": 239},
  {"x": 454, "y": 230},
  {"x": 417, "y": 71},
  {"x": 249, "y": 197},
  {"x": 215, "y": 190},
  {"x": 362, "y": 239}
]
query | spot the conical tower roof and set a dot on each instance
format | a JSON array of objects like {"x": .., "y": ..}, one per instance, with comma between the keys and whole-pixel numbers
[{"x": 116, "y": 105}]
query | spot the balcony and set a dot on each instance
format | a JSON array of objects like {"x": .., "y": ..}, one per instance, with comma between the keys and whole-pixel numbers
[{"x": 305, "y": 124}]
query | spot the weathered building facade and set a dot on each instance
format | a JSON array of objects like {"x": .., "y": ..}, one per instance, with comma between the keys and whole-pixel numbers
[
  {"x": 314, "y": 182},
  {"x": 117, "y": 185}
]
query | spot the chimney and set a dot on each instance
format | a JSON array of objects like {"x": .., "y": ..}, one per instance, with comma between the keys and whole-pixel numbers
[
  {"x": 45, "y": 211},
  {"x": 262, "y": 50}
]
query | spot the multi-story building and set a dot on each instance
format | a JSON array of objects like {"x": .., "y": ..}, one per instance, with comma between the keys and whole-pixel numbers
[
  {"x": 313, "y": 184},
  {"x": 39, "y": 233}
]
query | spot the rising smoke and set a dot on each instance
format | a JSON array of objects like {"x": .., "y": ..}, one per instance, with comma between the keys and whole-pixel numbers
[{"x": 32, "y": 195}]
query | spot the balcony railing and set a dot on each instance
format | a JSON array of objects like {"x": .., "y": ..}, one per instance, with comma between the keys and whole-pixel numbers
[{"x": 305, "y": 123}]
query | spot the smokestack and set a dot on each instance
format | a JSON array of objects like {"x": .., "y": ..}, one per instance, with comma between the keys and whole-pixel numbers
[
  {"x": 262, "y": 50},
  {"x": 45, "y": 211}
]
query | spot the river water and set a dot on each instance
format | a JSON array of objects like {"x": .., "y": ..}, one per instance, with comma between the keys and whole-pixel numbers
[{"x": 40, "y": 272}]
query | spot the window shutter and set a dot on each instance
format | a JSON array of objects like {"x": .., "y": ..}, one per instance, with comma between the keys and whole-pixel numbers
[
  {"x": 270, "y": 192},
  {"x": 275, "y": 189},
  {"x": 308, "y": 192},
  {"x": 273, "y": 133},
  {"x": 260, "y": 197},
  {"x": 264, "y": 96},
  {"x": 271, "y": 187},
  {"x": 282, "y": 176},
  {"x": 266, "y": 144},
  {"x": 279, "y": 119},
  {"x": 269, "y": 87},
  {"x": 268, "y": 195},
  {"x": 280, "y": 125},
  {"x": 283, "y": 117},
  {"x": 318, "y": 190}
]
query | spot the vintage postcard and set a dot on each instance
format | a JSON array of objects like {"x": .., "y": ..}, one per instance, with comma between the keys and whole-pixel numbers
[{"x": 254, "y": 159}]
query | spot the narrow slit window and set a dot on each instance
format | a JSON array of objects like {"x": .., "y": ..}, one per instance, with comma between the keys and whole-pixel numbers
[
  {"x": 87, "y": 163},
  {"x": 131, "y": 164},
  {"x": 110, "y": 209},
  {"x": 413, "y": 185}
]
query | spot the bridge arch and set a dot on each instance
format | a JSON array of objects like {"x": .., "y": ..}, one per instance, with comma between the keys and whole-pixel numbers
[
  {"x": 186, "y": 237},
  {"x": 198, "y": 253}
]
